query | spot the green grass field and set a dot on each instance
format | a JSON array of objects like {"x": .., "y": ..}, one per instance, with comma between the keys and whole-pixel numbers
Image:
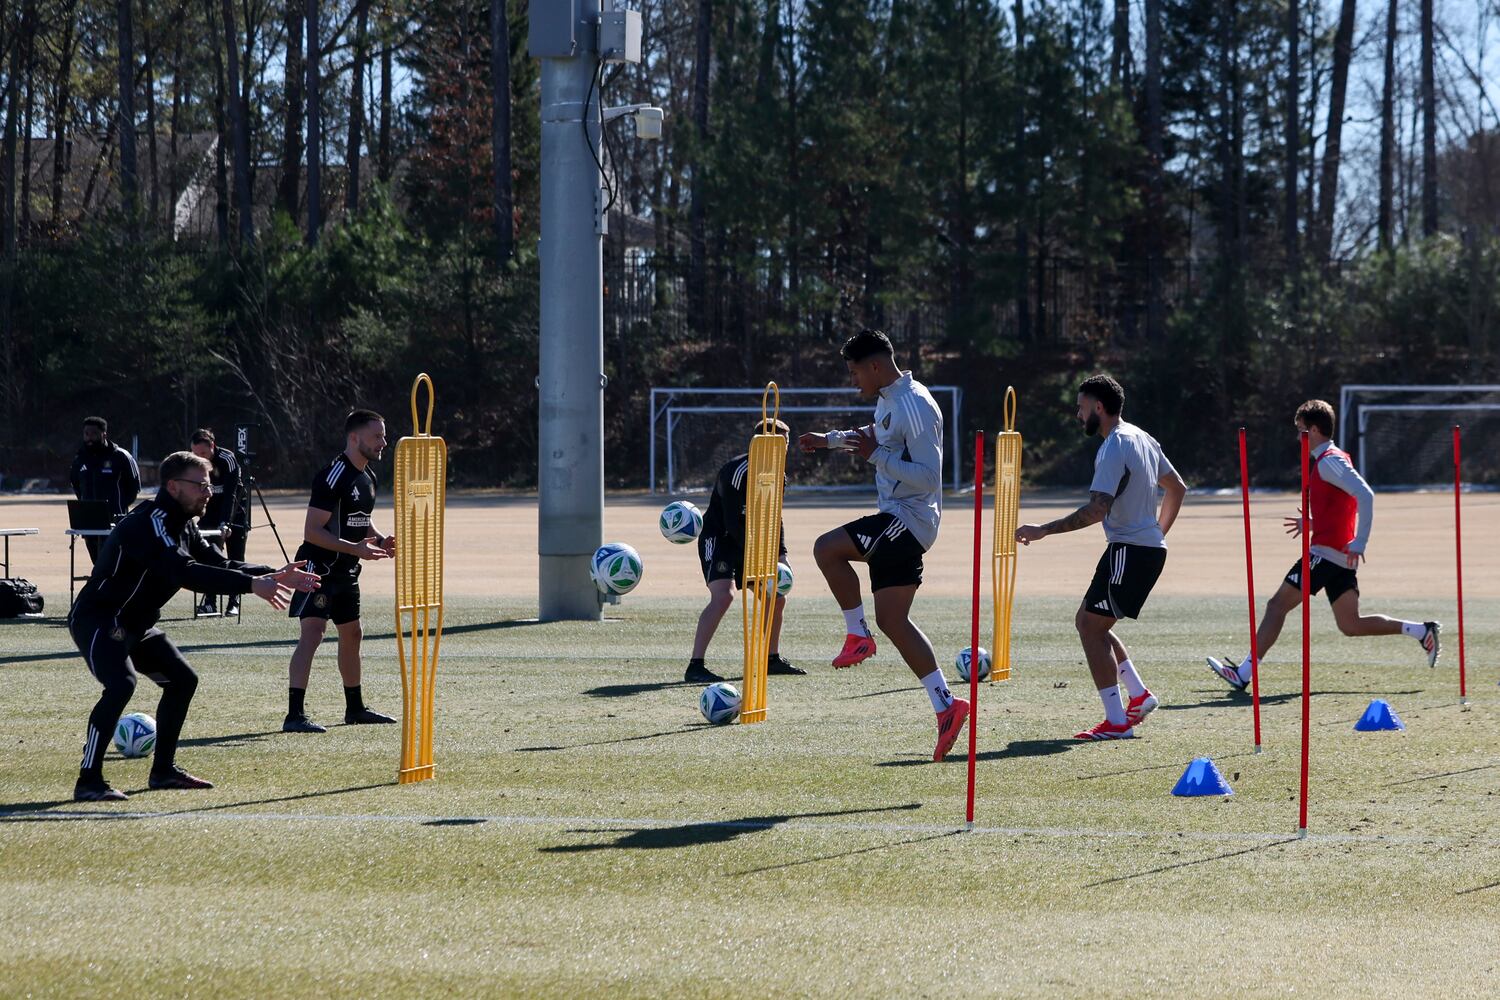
[{"x": 589, "y": 834}]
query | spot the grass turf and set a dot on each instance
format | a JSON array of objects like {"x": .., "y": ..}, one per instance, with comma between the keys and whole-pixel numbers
[{"x": 588, "y": 833}]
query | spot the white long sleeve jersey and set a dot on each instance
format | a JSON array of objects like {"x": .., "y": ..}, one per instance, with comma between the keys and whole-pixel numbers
[{"x": 908, "y": 462}]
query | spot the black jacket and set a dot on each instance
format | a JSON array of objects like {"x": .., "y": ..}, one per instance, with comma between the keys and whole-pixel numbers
[
  {"x": 151, "y": 554},
  {"x": 106, "y": 472},
  {"x": 224, "y": 507}
]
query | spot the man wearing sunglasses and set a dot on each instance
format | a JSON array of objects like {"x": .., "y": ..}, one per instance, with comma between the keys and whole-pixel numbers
[{"x": 152, "y": 553}]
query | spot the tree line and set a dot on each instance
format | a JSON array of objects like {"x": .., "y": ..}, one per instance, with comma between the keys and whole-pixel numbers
[{"x": 255, "y": 211}]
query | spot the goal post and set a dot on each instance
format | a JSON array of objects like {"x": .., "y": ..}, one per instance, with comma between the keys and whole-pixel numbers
[
  {"x": 696, "y": 429},
  {"x": 1399, "y": 436}
]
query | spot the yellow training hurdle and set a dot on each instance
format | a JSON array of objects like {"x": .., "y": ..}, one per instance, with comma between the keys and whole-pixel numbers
[
  {"x": 763, "y": 499},
  {"x": 1007, "y": 517}
]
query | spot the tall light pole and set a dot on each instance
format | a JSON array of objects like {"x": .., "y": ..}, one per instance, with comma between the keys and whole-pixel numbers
[{"x": 572, "y": 38}]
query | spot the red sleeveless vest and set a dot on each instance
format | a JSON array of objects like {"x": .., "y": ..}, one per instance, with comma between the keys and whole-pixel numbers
[{"x": 1334, "y": 512}]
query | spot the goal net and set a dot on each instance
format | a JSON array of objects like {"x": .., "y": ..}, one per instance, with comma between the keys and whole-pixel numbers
[
  {"x": 694, "y": 431},
  {"x": 1401, "y": 436}
]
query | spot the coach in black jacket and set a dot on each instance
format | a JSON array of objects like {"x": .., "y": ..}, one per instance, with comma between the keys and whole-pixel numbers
[
  {"x": 225, "y": 510},
  {"x": 102, "y": 470},
  {"x": 151, "y": 554}
]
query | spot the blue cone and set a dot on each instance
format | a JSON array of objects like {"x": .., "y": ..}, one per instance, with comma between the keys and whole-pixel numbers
[
  {"x": 1380, "y": 715},
  {"x": 1202, "y": 778}
]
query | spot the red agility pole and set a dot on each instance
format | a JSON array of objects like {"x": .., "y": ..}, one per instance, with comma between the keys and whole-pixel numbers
[
  {"x": 1306, "y": 633},
  {"x": 974, "y": 628},
  {"x": 1458, "y": 554},
  {"x": 1250, "y": 589}
]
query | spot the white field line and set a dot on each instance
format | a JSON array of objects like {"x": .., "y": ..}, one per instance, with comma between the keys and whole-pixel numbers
[{"x": 609, "y": 824}]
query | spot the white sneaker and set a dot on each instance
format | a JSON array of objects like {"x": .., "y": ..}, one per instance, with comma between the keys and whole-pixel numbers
[{"x": 1227, "y": 672}]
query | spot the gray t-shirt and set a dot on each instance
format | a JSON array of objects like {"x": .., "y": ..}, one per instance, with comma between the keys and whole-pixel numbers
[{"x": 1128, "y": 466}]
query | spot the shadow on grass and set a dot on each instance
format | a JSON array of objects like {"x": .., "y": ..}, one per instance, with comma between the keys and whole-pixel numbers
[
  {"x": 847, "y": 854},
  {"x": 288, "y": 643},
  {"x": 877, "y": 694},
  {"x": 1445, "y": 774},
  {"x": 624, "y": 739},
  {"x": 630, "y": 690},
  {"x": 22, "y": 812},
  {"x": 1015, "y": 748},
  {"x": 455, "y": 821},
  {"x": 1189, "y": 864},
  {"x": 698, "y": 834},
  {"x": 1238, "y": 699},
  {"x": 1477, "y": 888},
  {"x": 230, "y": 739},
  {"x": 1158, "y": 767}
]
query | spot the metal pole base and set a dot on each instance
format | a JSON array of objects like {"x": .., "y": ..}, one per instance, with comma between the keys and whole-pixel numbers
[
  {"x": 567, "y": 591},
  {"x": 1301, "y": 833},
  {"x": 1257, "y": 748},
  {"x": 1463, "y": 704}
]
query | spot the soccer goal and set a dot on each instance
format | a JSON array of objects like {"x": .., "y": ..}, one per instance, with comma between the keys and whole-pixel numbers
[
  {"x": 1401, "y": 436},
  {"x": 696, "y": 430}
]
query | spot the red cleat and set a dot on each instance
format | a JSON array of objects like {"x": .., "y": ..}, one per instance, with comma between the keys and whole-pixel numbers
[
  {"x": 857, "y": 648},
  {"x": 1107, "y": 730},
  {"x": 1139, "y": 708},
  {"x": 950, "y": 723}
]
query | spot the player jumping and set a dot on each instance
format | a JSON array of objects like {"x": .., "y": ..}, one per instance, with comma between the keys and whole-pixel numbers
[
  {"x": 1342, "y": 508},
  {"x": 905, "y": 444},
  {"x": 721, "y": 549},
  {"x": 1128, "y": 468}
]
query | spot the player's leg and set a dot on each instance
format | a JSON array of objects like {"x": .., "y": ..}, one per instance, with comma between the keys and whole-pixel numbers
[
  {"x": 776, "y": 663},
  {"x": 1352, "y": 623},
  {"x": 893, "y": 615},
  {"x": 1141, "y": 702},
  {"x": 1288, "y": 598},
  {"x": 835, "y": 552},
  {"x": 313, "y": 627},
  {"x": 157, "y": 658},
  {"x": 351, "y": 636},
  {"x": 235, "y": 547},
  {"x": 109, "y": 663},
  {"x": 720, "y": 600},
  {"x": 1094, "y": 620}
]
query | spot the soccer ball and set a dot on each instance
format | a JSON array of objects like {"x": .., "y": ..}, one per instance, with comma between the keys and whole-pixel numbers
[
  {"x": 681, "y": 522},
  {"x": 135, "y": 735},
  {"x": 783, "y": 579},
  {"x": 616, "y": 568},
  {"x": 720, "y": 703},
  {"x": 961, "y": 662}
]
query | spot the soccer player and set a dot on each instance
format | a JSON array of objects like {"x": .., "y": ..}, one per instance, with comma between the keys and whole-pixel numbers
[
  {"x": 338, "y": 535},
  {"x": 152, "y": 553},
  {"x": 1342, "y": 508},
  {"x": 721, "y": 548},
  {"x": 223, "y": 510},
  {"x": 905, "y": 444},
  {"x": 1129, "y": 467}
]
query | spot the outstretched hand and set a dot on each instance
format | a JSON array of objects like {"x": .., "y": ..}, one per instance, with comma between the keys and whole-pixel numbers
[
  {"x": 296, "y": 576},
  {"x": 811, "y": 442},
  {"x": 369, "y": 549},
  {"x": 1028, "y": 533},
  {"x": 865, "y": 443},
  {"x": 1293, "y": 525}
]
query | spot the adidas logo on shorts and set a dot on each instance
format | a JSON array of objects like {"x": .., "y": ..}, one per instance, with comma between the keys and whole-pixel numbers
[
  {"x": 864, "y": 541},
  {"x": 1102, "y": 606}
]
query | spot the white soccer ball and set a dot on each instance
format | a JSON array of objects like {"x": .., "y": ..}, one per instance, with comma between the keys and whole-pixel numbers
[
  {"x": 681, "y": 522},
  {"x": 720, "y": 703},
  {"x": 783, "y": 579},
  {"x": 135, "y": 735},
  {"x": 616, "y": 568},
  {"x": 961, "y": 663}
]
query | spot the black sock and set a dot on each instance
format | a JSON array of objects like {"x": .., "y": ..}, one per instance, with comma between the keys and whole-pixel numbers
[
  {"x": 353, "y": 700},
  {"x": 294, "y": 701}
]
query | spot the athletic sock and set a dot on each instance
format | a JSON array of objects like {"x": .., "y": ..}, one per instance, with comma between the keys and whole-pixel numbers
[
  {"x": 696, "y": 663},
  {"x": 1247, "y": 666},
  {"x": 1414, "y": 629},
  {"x": 1132, "y": 680},
  {"x": 353, "y": 700},
  {"x": 854, "y": 620},
  {"x": 937, "y": 690},
  {"x": 1114, "y": 710},
  {"x": 294, "y": 701}
]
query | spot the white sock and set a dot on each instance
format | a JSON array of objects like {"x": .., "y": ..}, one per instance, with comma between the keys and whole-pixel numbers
[
  {"x": 1247, "y": 666},
  {"x": 1133, "y": 682},
  {"x": 854, "y": 620},
  {"x": 1114, "y": 709},
  {"x": 937, "y": 690},
  {"x": 1414, "y": 629}
]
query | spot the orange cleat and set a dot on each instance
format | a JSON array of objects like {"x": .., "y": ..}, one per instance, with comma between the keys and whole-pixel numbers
[
  {"x": 950, "y": 723},
  {"x": 857, "y": 648}
]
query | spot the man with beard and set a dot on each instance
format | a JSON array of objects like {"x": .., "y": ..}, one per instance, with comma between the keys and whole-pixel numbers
[
  {"x": 223, "y": 512},
  {"x": 150, "y": 555},
  {"x": 1128, "y": 469},
  {"x": 338, "y": 535},
  {"x": 102, "y": 470}
]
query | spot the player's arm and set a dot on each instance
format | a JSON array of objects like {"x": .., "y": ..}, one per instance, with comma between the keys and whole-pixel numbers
[
  {"x": 835, "y": 440},
  {"x": 163, "y": 555},
  {"x": 203, "y": 552},
  {"x": 386, "y": 542},
  {"x": 315, "y": 531},
  {"x": 75, "y": 476},
  {"x": 233, "y": 483},
  {"x": 922, "y": 465},
  {"x": 1173, "y": 492},
  {"x": 1090, "y": 513},
  {"x": 1345, "y": 477},
  {"x": 130, "y": 482}
]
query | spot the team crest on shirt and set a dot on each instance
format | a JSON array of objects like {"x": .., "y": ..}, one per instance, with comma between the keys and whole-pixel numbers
[{"x": 886, "y": 423}]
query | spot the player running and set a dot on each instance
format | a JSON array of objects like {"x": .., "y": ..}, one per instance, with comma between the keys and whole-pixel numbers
[
  {"x": 338, "y": 534},
  {"x": 905, "y": 444},
  {"x": 721, "y": 549},
  {"x": 1343, "y": 506},
  {"x": 152, "y": 553},
  {"x": 1129, "y": 467}
]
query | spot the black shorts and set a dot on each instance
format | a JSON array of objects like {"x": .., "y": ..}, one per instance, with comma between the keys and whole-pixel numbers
[
  {"x": 1326, "y": 575},
  {"x": 338, "y": 603},
  {"x": 893, "y": 555},
  {"x": 1124, "y": 579},
  {"x": 721, "y": 557}
]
